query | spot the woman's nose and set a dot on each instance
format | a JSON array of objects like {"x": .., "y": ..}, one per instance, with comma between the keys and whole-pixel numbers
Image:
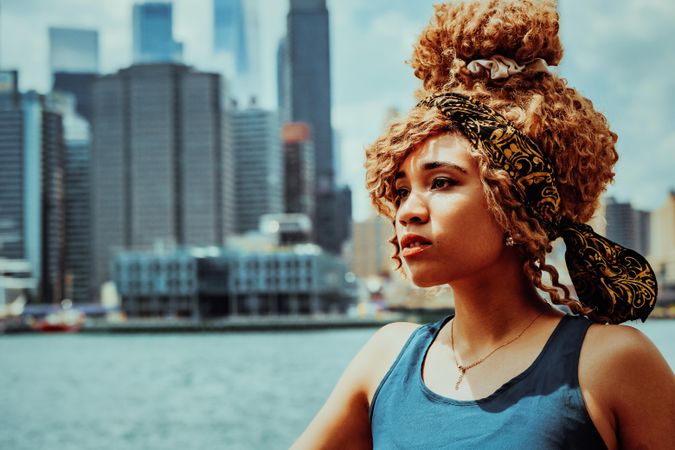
[{"x": 413, "y": 209}]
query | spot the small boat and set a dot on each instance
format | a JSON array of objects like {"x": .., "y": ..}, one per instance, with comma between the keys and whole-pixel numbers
[{"x": 62, "y": 321}]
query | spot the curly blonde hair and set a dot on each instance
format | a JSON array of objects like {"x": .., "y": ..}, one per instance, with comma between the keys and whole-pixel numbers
[{"x": 564, "y": 124}]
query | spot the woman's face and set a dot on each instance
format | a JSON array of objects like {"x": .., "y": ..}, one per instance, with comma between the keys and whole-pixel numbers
[{"x": 441, "y": 199}]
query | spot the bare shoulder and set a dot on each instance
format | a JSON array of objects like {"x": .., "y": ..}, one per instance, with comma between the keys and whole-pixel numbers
[
  {"x": 343, "y": 421},
  {"x": 612, "y": 347},
  {"x": 628, "y": 386},
  {"x": 385, "y": 346}
]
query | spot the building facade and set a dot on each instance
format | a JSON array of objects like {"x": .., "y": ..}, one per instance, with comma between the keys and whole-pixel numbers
[
  {"x": 371, "y": 251},
  {"x": 236, "y": 47},
  {"x": 207, "y": 283},
  {"x": 259, "y": 183},
  {"x": 306, "y": 85},
  {"x": 298, "y": 169},
  {"x": 77, "y": 199},
  {"x": 32, "y": 209},
  {"x": 627, "y": 226},
  {"x": 74, "y": 64},
  {"x": 153, "y": 40},
  {"x": 73, "y": 50},
  {"x": 161, "y": 162},
  {"x": 662, "y": 249},
  {"x": 230, "y": 34}
]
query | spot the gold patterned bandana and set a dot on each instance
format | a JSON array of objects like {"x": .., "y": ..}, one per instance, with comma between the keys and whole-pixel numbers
[{"x": 618, "y": 283}]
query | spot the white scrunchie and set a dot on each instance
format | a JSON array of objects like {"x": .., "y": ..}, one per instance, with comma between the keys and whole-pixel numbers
[{"x": 503, "y": 67}]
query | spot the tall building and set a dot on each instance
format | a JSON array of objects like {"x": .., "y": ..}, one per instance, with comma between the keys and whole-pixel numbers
[
  {"x": 32, "y": 214},
  {"x": 229, "y": 32},
  {"x": 12, "y": 169},
  {"x": 74, "y": 63},
  {"x": 236, "y": 46},
  {"x": 371, "y": 253},
  {"x": 73, "y": 50},
  {"x": 662, "y": 246},
  {"x": 298, "y": 169},
  {"x": 162, "y": 166},
  {"x": 307, "y": 63},
  {"x": 78, "y": 251},
  {"x": 627, "y": 226},
  {"x": 310, "y": 85},
  {"x": 283, "y": 84},
  {"x": 259, "y": 165},
  {"x": 153, "y": 34}
]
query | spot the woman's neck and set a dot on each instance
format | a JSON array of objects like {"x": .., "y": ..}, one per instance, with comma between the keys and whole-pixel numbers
[{"x": 492, "y": 307}]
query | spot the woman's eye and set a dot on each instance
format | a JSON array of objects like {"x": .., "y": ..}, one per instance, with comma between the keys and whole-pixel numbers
[
  {"x": 443, "y": 182},
  {"x": 401, "y": 192}
]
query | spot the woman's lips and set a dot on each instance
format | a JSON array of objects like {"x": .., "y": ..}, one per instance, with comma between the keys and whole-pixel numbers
[{"x": 413, "y": 251}]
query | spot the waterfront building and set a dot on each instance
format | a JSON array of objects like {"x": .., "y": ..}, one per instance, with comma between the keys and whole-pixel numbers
[
  {"x": 156, "y": 285},
  {"x": 153, "y": 40},
  {"x": 286, "y": 229},
  {"x": 32, "y": 213},
  {"x": 306, "y": 61},
  {"x": 78, "y": 258},
  {"x": 627, "y": 226},
  {"x": 220, "y": 282},
  {"x": 163, "y": 171},
  {"x": 259, "y": 183},
  {"x": 298, "y": 169}
]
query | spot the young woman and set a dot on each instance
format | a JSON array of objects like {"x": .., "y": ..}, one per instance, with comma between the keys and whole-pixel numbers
[{"x": 498, "y": 160}]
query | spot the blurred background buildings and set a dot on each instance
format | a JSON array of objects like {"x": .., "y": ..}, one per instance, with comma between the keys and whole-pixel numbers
[{"x": 173, "y": 184}]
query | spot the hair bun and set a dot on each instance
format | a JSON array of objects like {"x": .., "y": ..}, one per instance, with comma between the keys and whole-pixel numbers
[{"x": 522, "y": 30}]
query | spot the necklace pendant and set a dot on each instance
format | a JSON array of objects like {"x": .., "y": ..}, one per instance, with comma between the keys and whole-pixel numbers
[{"x": 462, "y": 370}]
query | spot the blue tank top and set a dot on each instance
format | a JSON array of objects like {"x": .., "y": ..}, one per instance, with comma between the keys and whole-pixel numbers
[{"x": 542, "y": 408}]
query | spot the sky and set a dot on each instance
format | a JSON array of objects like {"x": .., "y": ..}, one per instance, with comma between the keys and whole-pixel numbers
[{"x": 618, "y": 54}]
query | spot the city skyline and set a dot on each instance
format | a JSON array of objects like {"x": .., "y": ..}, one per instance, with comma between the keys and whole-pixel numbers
[{"x": 376, "y": 37}]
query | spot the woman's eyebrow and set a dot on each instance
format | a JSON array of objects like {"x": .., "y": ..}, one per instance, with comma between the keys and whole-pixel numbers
[
  {"x": 435, "y": 165},
  {"x": 445, "y": 165}
]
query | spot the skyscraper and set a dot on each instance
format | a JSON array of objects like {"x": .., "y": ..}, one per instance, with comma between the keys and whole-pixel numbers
[
  {"x": 627, "y": 226},
  {"x": 153, "y": 34},
  {"x": 229, "y": 32},
  {"x": 74, "y": 63},
  {"x": 161, "y": 167},
  {"x": 73, "y": 50},
  {"x": 32, "y": 211},
  {"x": 256, "y": 139},
  {"x": 308, "y": 99},
  {"x": 283, "y": 84},
  {"x": 310, "y": 85},
  {"x": 235, "y": 46},
  {"x": 12, "y": 169},
  {"x": 298, "y": 169},
  {"x": 371, "y": 252},
  {"x": 77, "y": 192}
]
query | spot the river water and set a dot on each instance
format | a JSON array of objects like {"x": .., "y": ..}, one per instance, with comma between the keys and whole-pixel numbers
[{"x": 176, "y": 391}]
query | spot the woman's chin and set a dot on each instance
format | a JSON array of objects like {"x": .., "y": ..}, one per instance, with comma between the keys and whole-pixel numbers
[{"x": 425, "y": 282}]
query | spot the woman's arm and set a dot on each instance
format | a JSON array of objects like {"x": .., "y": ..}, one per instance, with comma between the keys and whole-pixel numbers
[
  {"x": 632, "y": 381},
  {"x": 343, "y": 422}
]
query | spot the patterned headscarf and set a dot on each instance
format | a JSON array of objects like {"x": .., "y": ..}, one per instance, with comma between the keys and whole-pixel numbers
[{"x": 614, "y": 281}]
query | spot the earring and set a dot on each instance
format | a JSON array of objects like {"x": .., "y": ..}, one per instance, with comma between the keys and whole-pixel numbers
[{"x": 509, "y": 241}]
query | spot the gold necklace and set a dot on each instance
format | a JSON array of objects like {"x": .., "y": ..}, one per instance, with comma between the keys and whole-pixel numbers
[{"x": 463, "y": 369}]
